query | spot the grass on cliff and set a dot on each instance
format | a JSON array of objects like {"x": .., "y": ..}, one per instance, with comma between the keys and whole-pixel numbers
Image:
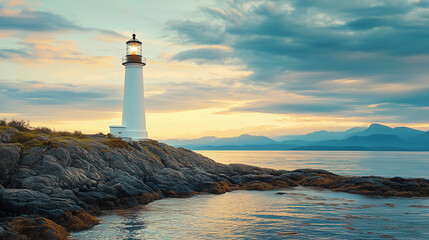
[
  {"x": 29, "y": 136},
  {"x": 24, "y": 126},
  {"x": 116, "y": 143}
]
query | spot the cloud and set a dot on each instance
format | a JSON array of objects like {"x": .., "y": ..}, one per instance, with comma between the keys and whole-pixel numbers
[
  {"x": 417, "y": 98},
  {"x": 197, "y": 32},
  {"x": 40, "y": 21},
  {"x": 294, "y": 108},
  {"x": 203, "y": 55},
  {"x": 177, "y": 97},
  {"x": 348, "y": 56},
  {"x": 357, "y": 38},
  {"x": 35, "y": 93},
  {"x": 392, "y": 112},
  {"x": 36, "y": 21},
  {"x": 37, "y": 32},
  {"x": 45, "y": 50},
  {"x": 11, "y": 53}
]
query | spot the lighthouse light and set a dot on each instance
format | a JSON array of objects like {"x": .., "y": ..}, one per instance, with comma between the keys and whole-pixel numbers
[{"x": 134, "y": 48}]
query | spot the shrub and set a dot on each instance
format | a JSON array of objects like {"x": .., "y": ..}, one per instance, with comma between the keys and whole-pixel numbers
[
  {"x": 44, "y": 130},
  {"x": 3, "y": 122},
  {"x": 63, "y": 133},
  {"x": 21, "y": 125},
  {"x": 77, "y": 134}
]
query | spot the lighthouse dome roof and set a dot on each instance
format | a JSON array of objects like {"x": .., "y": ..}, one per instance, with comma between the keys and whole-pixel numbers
[{"x": 134, "y": 39}]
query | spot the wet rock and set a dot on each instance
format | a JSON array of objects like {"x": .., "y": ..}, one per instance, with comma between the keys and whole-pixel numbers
[
  {"x": 314, "y": 171},
  {"x": 397, "y": 179},
  {"x": 101, "y": 199},
  {"x": 295, "y": 176}
]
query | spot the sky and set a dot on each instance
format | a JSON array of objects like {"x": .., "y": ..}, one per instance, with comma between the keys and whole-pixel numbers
[{"x": 218, "y": 68}]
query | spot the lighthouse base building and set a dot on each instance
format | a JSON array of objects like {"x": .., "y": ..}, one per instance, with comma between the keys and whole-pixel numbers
[{"x": 133, "y": 112}]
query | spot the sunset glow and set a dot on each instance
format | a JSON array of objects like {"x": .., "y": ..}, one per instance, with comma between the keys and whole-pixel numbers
[{"x": 213, "y": 68}]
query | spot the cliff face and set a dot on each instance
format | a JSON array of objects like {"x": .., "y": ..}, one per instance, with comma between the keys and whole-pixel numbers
[
  {"x": 42, "y": 175},
  {"x": 64, "y": 179},
  {"x": 74, "y": 172}
]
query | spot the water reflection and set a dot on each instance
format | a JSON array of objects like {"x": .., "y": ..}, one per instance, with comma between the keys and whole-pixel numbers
[{"x": 299, "y": 213}]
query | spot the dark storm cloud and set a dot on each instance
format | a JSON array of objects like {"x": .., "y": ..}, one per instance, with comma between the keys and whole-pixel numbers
[{"x": 381, "y": 42}]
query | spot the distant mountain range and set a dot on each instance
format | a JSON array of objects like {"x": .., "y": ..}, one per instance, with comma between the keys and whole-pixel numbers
[{"x": 376, "y": 137}]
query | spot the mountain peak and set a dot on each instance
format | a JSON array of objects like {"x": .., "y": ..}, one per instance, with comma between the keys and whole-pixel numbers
[
  {"x": 246, "y": 135},
  {"x": 378, "y": 126}
]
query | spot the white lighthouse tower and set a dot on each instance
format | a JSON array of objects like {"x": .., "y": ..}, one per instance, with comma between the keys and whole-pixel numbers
[{"x": 133, "y": 114}]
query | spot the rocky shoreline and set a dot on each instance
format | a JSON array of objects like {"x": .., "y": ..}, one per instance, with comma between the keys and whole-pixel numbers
[{"x": 51, "y": 185}]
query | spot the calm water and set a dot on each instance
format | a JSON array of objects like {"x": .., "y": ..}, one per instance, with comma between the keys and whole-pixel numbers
[
  {"x": 298, "y": 213},
  {"x": 388, "y": 164}
]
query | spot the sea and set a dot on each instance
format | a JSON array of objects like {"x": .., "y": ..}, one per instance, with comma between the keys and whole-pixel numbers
[{"x": 293, "y": 213}]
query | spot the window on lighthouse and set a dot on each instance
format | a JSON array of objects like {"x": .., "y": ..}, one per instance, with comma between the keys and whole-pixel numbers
[{"x": 134, "y": 48}]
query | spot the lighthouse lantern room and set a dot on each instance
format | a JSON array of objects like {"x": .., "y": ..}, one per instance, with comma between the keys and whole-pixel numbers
[{"x": 133, "y": 112}]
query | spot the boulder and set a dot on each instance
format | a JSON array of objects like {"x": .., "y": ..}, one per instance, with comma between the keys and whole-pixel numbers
[
  {"x": 9, "y": 158},
  {"x": 30, "y": 160}
]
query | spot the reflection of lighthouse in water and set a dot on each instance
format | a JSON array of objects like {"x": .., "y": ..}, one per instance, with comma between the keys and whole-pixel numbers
[{"x": 133, "y": 114}]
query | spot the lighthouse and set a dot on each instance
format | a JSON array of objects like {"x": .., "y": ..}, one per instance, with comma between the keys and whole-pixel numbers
[{"x": 133, "y": 113}]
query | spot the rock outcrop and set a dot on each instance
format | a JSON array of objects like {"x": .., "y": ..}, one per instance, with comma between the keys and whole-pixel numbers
[{"x": 59, "y": 182}]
